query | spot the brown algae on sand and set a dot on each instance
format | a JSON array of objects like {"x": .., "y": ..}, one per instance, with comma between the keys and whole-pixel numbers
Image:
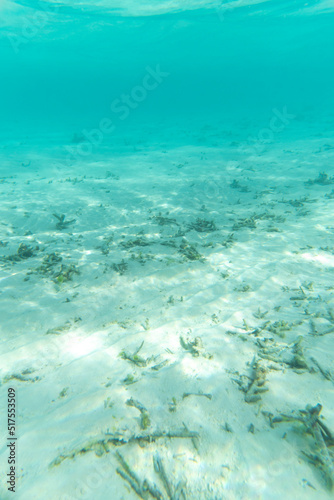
[
  {"x": 62, "y": 224},
  {"x": 145, "y": 421},
  {"x": 101, "y": 445},
  {"x": 135, "y": 358},
  {"x": 195, "y": 347},
  {"x": 145, "y": 489},
  {"x": 320, "y": 452},
  {"x": 254, "y": 385}
]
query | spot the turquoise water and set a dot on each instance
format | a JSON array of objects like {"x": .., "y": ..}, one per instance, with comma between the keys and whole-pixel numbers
[
  {"x": 166, "y": 248},
  {"x": 64, "y": 64}
]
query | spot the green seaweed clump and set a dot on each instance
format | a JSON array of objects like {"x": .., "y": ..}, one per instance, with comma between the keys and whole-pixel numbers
[
  {"x": 254, "y": 385},
  {"x": 241, "y": 223},
  {"x": 190, "y": 252},
  {"x": 195, "y": 347},
  {"x": 23, "y": 252},
  {"x": 145, "y": 421},
  {"x": 49, "y": 263},
  {"x": 279, "y": 328},
  {"x": 129, "y": 379},
  {"x": 235, "y": 184},
  {"x": 21, "y": 377},
  {"x": 164, "y": 221},
  {"x": 62, "y": 224},
  {"x": 65, "y": 273},
  {"x": 243, "y": 288},
  {"x": 137, "y": 242},
  {"x": 203, "y": 226},
  {"x": 229, "y": 241},
  {"x": 323, "y": 179},
  {"x": 59, "y": 329},
  {"x": 53, "y": 267},
  {"x": 298, "y": 361},
  {"x": 135, "y": 358},
  {"x": 121, "y": 267}
]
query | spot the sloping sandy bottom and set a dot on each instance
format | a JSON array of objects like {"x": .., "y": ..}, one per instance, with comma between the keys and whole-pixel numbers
[{"x": 213, "y": 262}]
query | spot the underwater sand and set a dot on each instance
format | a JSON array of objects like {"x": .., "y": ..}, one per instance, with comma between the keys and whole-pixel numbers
[{"x": 137, "y": 281}]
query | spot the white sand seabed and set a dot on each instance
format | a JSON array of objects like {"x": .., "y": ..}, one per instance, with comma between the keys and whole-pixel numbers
[{"x": 73, "y": 391}]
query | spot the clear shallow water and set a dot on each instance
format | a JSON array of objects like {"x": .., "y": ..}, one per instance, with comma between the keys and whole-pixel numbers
[
  {"x": 166, "y": 176},
  {"x": 64, "y": 64}
]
